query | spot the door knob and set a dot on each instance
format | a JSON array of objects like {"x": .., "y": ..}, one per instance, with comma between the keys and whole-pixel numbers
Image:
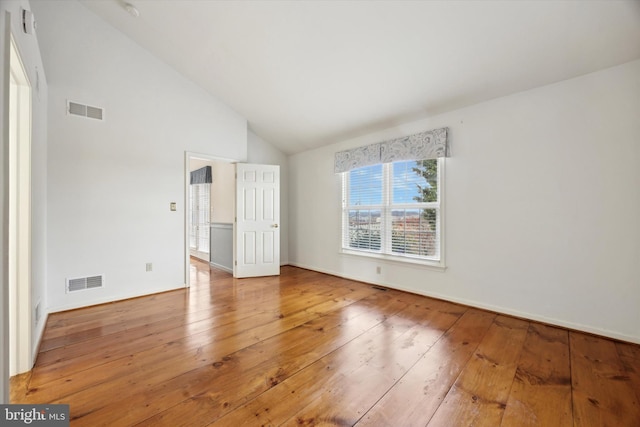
[{"x": 274, "y": 225}]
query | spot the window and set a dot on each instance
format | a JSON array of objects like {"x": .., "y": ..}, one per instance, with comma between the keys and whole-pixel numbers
[
  {"x": 394, "y": 210},
  {"x": 199, "y": 200},
  {"x": 199, "y": 207}
]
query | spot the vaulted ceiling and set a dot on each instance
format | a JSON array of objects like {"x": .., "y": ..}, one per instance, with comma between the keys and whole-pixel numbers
[{"x": 309, "y": 73}]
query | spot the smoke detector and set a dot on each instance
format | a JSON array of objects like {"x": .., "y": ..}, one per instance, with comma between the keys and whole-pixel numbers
[{"x": 133, "y": 11}]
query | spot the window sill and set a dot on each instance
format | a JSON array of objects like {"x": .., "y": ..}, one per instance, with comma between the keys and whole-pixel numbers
[{"x": 401, "y": 260}]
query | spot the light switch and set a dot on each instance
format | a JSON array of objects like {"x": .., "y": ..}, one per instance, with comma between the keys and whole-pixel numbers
[{"x": 173, "y": 206}]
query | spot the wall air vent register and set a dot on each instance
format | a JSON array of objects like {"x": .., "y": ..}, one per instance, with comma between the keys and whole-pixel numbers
[
  {"x": 82, "y": 283},
  {"x": 82, "y": 110}
]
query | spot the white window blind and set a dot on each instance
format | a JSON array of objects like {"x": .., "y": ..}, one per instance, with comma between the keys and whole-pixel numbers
[{"x": 394, "y": 209}]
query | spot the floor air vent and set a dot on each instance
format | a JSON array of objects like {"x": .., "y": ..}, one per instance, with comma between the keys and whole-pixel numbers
[
  {"x": 77, "y": 109},
  {"x": 82, "y": 283}
]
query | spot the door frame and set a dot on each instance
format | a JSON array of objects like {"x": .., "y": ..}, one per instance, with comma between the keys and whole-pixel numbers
[
  {"x": 188, "y": 155},
  {"x": 18, "y": 273}
]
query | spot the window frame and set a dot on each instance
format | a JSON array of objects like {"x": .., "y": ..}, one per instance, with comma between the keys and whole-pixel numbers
[{"x": 385, "y": 253}]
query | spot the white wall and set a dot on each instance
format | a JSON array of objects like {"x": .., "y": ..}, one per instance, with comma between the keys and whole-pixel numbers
[
  {"x": 542, "y": 206},
  {"x": 30, "y": 53},
  {"x": 261, "y": 152},
  {"x": 111, "y": 182},
  {"x": 223, "y": 192}
]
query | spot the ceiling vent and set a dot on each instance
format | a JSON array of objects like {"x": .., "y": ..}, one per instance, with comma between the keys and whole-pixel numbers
[
  {"x": 82, "y": 283},
  {"x": 77, "y": 109}
]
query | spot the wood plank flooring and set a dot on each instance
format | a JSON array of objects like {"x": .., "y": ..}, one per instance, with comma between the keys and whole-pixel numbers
[{"x": 310, "y": 349}]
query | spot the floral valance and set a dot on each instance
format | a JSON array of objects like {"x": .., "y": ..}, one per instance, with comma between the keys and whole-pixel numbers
[{"x": 425, "y": 145}]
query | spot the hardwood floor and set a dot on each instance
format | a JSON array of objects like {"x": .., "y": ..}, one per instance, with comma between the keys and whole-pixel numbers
[{"x": 310, "y": 349}]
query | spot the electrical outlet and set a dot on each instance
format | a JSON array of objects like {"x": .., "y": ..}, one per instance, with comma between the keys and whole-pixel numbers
[
  {"x": 149, "y": 266},
  {"x": 378, "y": 269}
]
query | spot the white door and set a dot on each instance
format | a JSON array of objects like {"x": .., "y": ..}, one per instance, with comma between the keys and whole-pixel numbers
[{"x": 257, "y": 221}]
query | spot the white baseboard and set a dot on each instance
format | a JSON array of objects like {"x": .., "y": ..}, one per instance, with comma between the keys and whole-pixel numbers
[
  {"x": 497, "y": 309},
  {"x": 221, "y": 267},
  {"x": 39, "y": 333},
  {"x": 98, "y": 301}
]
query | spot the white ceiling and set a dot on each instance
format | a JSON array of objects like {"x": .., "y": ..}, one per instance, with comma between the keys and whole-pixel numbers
[{"x": 309, "y": 73}]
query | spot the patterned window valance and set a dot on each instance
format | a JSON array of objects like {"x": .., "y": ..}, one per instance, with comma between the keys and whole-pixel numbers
[
  {"x": 357, "y": 158},
  {"x": 425, "y": 145},
  {"x": 202, "y": 176}
]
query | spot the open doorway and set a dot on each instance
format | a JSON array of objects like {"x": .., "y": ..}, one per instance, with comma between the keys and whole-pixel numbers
[
  {"x": 19, "y": 253},
  {"x": 199, "y": 206},
  {"x": 209, "y": 211}
]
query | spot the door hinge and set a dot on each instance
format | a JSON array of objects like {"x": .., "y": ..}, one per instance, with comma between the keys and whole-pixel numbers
[{"x": 235, "y": 262}]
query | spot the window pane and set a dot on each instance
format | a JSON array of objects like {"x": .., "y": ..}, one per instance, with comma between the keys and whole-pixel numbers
[
  {"x": 204, "y": 197},
  {"x": 415, "y": 181},
  {"x": 384, "y": 209},
  {"x": 413, "y": 232},
  {"x": 199, "y": 200},
  {"x": 364, "y": 229},
  {"x": 365, "y": 186}
]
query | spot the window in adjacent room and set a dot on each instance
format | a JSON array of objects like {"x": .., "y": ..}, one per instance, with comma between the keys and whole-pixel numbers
[
  {"x": 199, "y": 201},
  {"x": 200, "y": 212}
]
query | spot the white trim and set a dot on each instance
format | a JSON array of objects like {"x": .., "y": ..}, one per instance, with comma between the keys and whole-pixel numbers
[
  {"x": 398, "y": 259},
  {"x": 105, "y": 300},
  {"x": 20, "y": 309},
  {"x": 39, "y": 333},
  {"x": 440, "y": 229},
  {"x": 4, "y": 233},
  {"x": 221, "y": 267}
]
